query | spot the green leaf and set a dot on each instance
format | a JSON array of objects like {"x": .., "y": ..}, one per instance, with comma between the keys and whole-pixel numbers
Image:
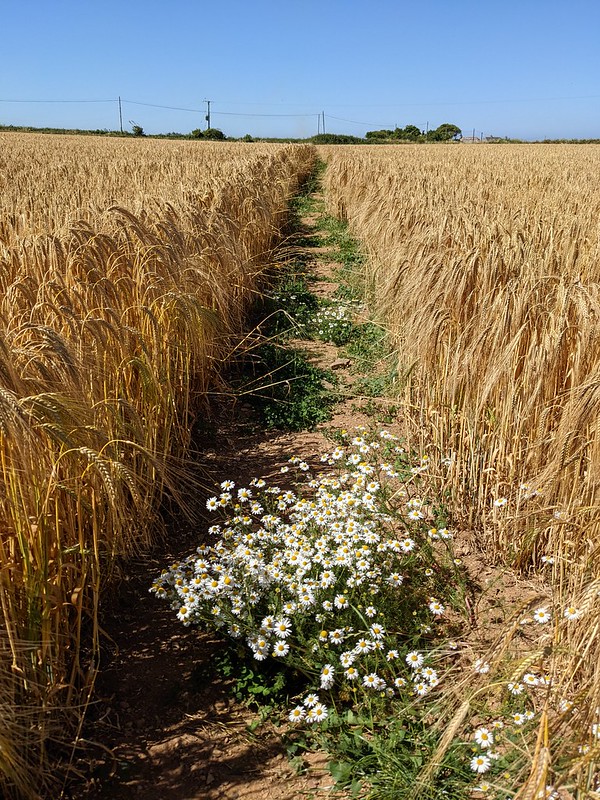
[{"x": 340, "y": 771}]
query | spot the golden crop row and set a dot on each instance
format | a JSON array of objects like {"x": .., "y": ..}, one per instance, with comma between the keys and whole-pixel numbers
[
  {"x": 485, "y": 265},
  {"x": 126, "y": 268}
]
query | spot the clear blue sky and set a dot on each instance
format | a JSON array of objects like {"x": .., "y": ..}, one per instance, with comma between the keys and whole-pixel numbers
[{"x": 517, "y": 68}]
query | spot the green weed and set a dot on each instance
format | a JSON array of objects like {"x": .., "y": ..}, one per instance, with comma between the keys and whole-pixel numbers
[
  {"x": 286, "y": 390},
  {"x": 289, "y": 308}
]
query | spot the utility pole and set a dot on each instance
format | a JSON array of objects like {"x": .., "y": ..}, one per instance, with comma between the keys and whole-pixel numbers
[
  {"x": 120, "y": 115},
  {"x": 323, "y": 122},
  {"x": 318, "y": 124},
  {"x": 207, "y": 117}
]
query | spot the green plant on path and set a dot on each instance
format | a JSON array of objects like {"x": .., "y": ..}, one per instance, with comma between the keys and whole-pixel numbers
[{"x": 339, "y": 585}]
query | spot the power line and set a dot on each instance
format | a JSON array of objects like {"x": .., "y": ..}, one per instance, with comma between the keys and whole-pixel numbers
[
  {"x": 355, "y": 122},
  {"x": 213, "y": 113},
  {"x": 426, "y": 103},
  {"x": 329, "y": 105},
  {"x": 114, "y": 100},
  {"x": 156, "y": 105},
  {"x": 239, "y": 114}
]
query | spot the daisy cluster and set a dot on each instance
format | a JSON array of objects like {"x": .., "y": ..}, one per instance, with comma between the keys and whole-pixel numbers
[
  {"x": 327, "y": 577},
  {"x": 333, "y": 323}
]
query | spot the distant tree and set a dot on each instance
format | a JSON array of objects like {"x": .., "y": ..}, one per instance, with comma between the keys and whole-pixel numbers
[
  {"x": 444, "y": 132},
  {"x": 409, "y": 134},
  {"x": 382, "y": 134},
  {"x": 209, "y": 133},
  {"x": 137, "y": 130},
  {"x": 214, "y": 133},
  {"x": 335, "y": 138},
  {"x": 248, "y": 138}
]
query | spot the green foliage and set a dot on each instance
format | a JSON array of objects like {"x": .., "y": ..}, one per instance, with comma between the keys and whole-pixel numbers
[
  {"x": 381, "y": 134},
  {"x": 347, "y": 251},
  {"x": 333, "y": 323},
  {"x": 286, "y": 390},
  {"x": 368, "y": 347},
  {"x": 381, "y": 757},
  {"x": 210, "y": 133},
  {"x": 137, "y": 130},
  {"x": 289, "y": 308},
  {"x": 444, "y": 133},
  {"x": 410, "y": 133},
  {"x": 215, "y": 134},
  {"x": 335, "y": 138},
  {"x": 251, "y": 683}
]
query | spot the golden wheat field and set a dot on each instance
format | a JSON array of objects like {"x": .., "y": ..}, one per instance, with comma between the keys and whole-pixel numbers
[
  {"x": 484, "y": 262},
  {"x": 126, "y": 268}
]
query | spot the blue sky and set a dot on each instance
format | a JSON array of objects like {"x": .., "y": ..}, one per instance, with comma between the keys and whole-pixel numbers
[{"x": 527, "y": 69}]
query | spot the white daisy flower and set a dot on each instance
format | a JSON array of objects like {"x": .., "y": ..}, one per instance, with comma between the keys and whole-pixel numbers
[
  {"x": 327, "y": 677},
  {"x": 414, "y": 659},
  {"x": 484, "y": 737},
  {"x": 480, "y": 763},
  {"x": 429, "y": 674},
  {"x": 347, "y": 658},
  {"x": 421, "y": 688},
  {"x": 395, "y": 579},
  {"x": 541, "y": 615},
  {"x": 337, "y": 636},
  {"x": 282, "y": 627},
  {"x": 317, "y": 713},
  {"x": 297, "y": 714},
  {"x": 436, "y": 608},
  {"x": 311, "y": 700},
  {"x": 572, "y": 612},
  {"x": 281, "y": 648},
  {"x": 377, "y": 631},
  {"x": 373, "y": 681},
  {"x": 364, "y": 646}
]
